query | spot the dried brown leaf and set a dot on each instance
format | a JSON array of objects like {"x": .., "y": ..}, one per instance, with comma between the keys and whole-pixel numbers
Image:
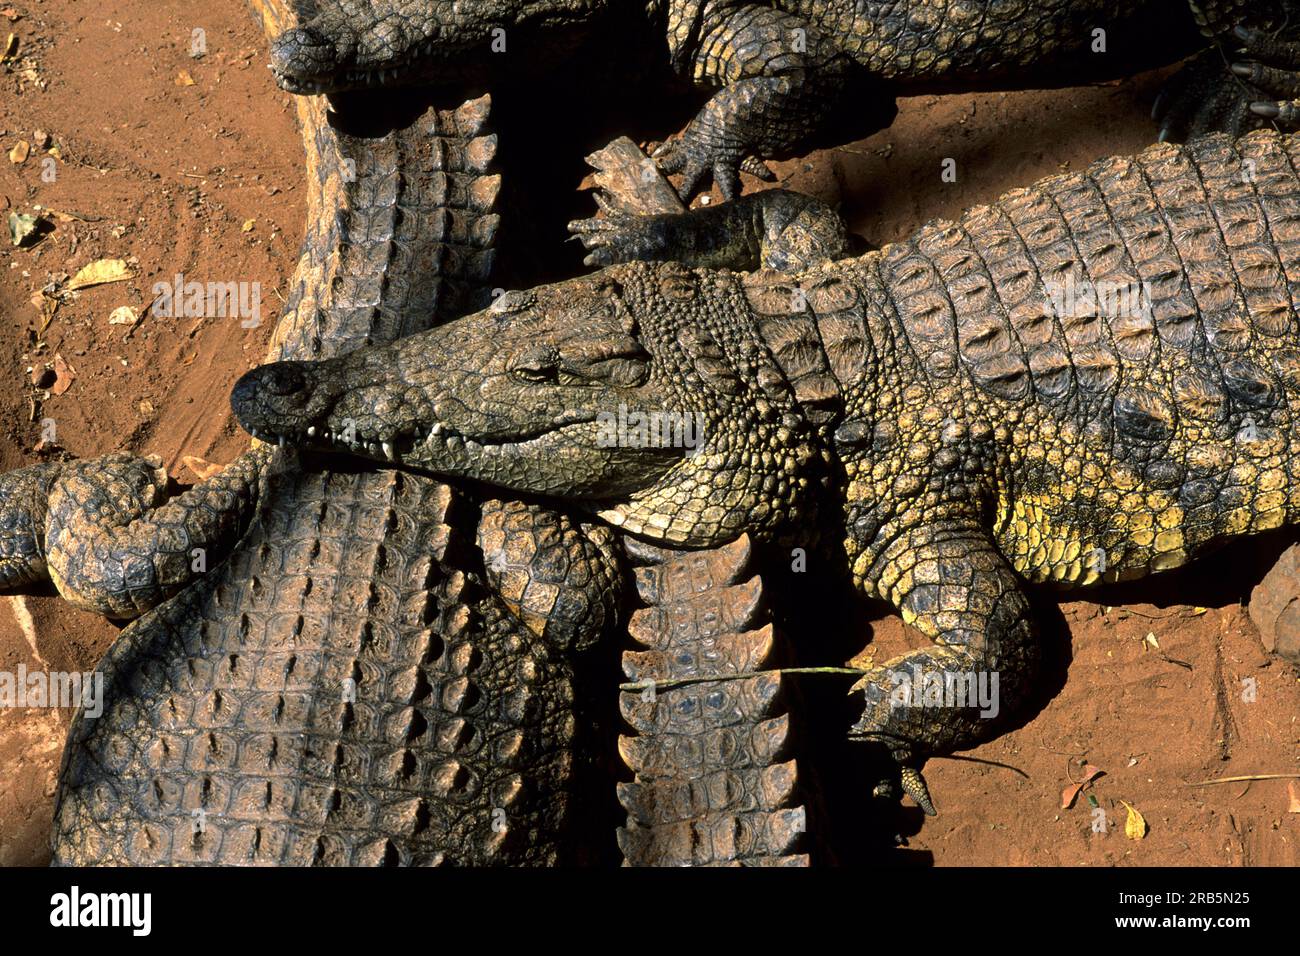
[
  {"x": 201, "y": 467},
  {"x": 64, "y": 376}
]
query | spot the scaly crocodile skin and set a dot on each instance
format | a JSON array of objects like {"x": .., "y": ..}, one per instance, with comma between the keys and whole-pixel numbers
[
  {"x": 344, "y": 697},
  {"x": 103, "y": 533},
  {"x": 346, "y": 688},
  {"x": 1095, "y": 378},
  {"x": 786, "y": 76},
  {"x": 715, "y": 783}
]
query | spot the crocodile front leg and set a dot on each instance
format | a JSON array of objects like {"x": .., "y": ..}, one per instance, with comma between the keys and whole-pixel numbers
[
  {"x": 1272, "y": 64},
  {"x": 1204, "y": 97},
  {"x": 950, "y": 582},
  {"x": 780, "y": 78},
  {"x": 102, "y": 532},
  {"x": 773, "y": 229},
  {"x": 560, "y": 577}
]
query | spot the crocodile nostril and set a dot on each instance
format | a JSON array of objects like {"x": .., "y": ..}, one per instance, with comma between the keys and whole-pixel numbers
[
  {"x": 284, "y": 379},
  {"x": 303, "y": 51}
]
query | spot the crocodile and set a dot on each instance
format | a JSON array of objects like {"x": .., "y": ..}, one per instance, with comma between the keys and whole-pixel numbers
[
  {"x": 783, "y": 77},
  {"x": 333, "y": 666},
  {"x": 340, "y": 667},
  {"x": 1091, "y": 379}
]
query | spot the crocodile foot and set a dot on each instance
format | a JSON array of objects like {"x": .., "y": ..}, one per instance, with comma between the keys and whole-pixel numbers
[
  {"x": 1203, "y": 97},
  {"x": 895, "y": 769},
  {"x": 908, "y": 780},
  {"x": 106, "y": 534},
  {"x": 701, "y": 152},
  {"x": 619, "y": 236},
  {"x": 1272, "y": 65}
]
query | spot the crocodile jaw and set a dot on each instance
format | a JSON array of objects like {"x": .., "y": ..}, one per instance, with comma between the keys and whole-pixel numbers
[{"x": 327, "y": 406}]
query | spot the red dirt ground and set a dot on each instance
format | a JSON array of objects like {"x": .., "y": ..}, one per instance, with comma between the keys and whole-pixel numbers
[{"x": 168, "y": 176}]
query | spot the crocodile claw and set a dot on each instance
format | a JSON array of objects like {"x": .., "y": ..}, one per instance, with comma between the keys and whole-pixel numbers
[
  {"x": 698, "y": 163},
  {"x": 617, "y": 237},
  {"x": 1271, "y": 69},
  {"x": 1260, "y": 86}
]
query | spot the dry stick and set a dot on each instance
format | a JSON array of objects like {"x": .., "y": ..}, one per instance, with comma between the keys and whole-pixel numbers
[
  {"x": 856, "y": 671},
  {"x": 685, "y": 681},
  {"x": 1245, "y": 779},
  {"x": 987, "y": 763}
]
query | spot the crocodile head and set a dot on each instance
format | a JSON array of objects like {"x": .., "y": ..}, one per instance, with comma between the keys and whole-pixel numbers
[
  {"x": 623, "y": 390},
  {"x": 358, "y": 44}
]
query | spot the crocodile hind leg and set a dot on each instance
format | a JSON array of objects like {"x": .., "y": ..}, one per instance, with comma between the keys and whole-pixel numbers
[
  {"x": 950, "y": 582},
  {"x": 102, "y": 532},
  {"x": 713, "y": 782}
]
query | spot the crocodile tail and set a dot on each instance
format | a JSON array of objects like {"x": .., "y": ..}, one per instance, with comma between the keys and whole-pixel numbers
[
  {"x": 395, "y": 187},
  {"x": 714, "y": 783},
  {"x": 415, "y": 203}
]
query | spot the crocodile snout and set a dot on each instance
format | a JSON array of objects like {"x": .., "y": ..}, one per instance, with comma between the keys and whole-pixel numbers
[
  {"x": 303, "y": 58},
  {"x": 273, "y": 399}
]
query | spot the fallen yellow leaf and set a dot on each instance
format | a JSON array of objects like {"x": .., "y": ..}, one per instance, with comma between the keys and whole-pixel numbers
[
  {"x": 99, "y": 272},
  {"x": 249, "y": 224},
  {"x": 183, "y": 78},
  {"x": 11, "y": 47},
  {"x": 18, "y": 155},
  {"x": 1135, "y": 827},
  {"x": 1293, "y": 795}
]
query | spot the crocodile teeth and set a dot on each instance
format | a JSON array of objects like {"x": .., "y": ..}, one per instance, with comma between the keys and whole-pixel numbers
[
  {"x": 311, "y": 431},
  {"x": 389, "y": 453},
  {"x": 437, "y": 428}
]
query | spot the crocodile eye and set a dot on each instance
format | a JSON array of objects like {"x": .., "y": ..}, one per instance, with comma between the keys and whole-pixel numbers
[{"x": 537, "y": 364}]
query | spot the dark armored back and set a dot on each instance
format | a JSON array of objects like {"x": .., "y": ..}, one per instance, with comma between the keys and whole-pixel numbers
[{"x": 1172, "y": 272}]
